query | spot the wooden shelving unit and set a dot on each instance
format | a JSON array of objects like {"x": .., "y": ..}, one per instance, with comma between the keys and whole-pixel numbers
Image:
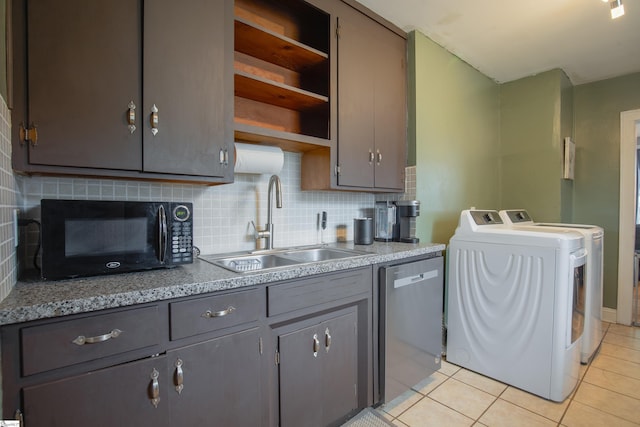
[{"x": 281, "y": 74}]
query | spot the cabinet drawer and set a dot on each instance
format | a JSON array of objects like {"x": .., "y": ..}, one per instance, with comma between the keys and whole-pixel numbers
[
  {"x": 322, "y": 289},
  {"x": 198, "y": 316},
  {"x": 69, "y": 342}
]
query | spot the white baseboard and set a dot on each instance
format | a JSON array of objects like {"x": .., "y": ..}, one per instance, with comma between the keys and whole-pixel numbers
[{"x": 609, "y": 314}]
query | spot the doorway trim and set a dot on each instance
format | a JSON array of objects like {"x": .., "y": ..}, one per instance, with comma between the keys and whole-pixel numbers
[{"x": 627, "y": 213}]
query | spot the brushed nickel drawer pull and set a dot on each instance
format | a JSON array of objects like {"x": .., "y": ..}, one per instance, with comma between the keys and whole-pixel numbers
[
  {"x": 179, "y": 376},
  {"x": 154, "y": 388},
  {"x": 316, "y": 345},
  {"x": 211, "y": 314},
  {"x": 82, "y": 340},
  {"x": 327, "y": 340}
]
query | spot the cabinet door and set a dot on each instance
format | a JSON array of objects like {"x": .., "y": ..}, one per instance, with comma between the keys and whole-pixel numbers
[
  {"x": 300, "y": 378},
  {"x": 339, "y": 370},
  {"x": 372, "y": 103},
  {"x": 390, "y": 116},
  {"x": 118, "y": 396},
  {"x": 356, "y": 74},
  {"x": 188, "y": 70},
  {"x": 318, "y": 372},
  {"x": 84, "y": 69},
  {"x": 217, "y": 382}
]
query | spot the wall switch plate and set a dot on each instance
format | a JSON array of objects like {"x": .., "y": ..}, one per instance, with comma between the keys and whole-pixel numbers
[{"x": 16, "y": 232}]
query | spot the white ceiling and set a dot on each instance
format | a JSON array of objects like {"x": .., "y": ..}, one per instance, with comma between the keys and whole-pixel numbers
[{"x": 507, "y": 40}]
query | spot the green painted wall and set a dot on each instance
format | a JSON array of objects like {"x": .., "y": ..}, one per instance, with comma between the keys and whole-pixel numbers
[
  {"x": 494, "y": 146},
  {"x": 532, "y": 131},
  {"x": 454, "y": 121},
  {"x": 597, "y": 109}
]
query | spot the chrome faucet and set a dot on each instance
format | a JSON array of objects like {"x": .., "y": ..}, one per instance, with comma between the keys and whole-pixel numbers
[{"x": 267, "y": 233}]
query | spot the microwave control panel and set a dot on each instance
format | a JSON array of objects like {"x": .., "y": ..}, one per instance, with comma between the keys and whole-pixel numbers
[{"x": 181, "y": 235}]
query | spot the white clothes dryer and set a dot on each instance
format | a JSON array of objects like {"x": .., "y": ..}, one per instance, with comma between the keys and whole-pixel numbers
[
  {"x": 514, "y": 303},
  {"x": 594, "y": 244}
]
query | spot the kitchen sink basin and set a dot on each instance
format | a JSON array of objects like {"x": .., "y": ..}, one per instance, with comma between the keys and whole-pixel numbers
[
  {"x": 242, "y": 263},
  {"x": 245, "y": 263},
  {"x": 321, "y": 254}
]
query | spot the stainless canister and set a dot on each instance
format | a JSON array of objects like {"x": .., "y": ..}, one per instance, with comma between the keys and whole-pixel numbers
[{"x": 363, "y": 231}]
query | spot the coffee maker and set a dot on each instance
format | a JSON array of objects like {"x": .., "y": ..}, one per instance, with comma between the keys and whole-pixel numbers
[
  {"x": 385, "y": 214},
  {"x": 406, "y": 210}
]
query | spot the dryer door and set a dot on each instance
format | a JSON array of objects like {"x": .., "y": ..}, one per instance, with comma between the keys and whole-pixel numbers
[{"x": 577, "y": 268}]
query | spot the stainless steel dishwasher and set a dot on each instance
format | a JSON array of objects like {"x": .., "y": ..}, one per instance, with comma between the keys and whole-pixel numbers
[{"x": 411, "y": 304}]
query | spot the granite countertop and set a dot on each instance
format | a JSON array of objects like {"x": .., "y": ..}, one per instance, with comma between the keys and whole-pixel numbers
[{"x": 44, "y": 299}]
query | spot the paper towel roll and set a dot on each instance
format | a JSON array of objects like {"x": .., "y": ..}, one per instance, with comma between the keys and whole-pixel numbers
[{"x": 258, "y": 159}]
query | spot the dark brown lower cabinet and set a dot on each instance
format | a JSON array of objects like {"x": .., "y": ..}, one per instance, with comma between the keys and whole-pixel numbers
[
  {"x": 318, "y": 371},
  {"x": 313, "y": 369},
  {"x": 217, "y": 382},
  {"x": 122, "y": 395}
]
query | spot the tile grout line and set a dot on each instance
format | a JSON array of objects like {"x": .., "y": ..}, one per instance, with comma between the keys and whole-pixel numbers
[{"x": 573, "y": 395}]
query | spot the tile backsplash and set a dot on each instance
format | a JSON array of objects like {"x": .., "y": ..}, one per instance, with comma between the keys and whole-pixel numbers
[
  {"x": 222, "y": 214},
  {"x": 8, "y": 202}
]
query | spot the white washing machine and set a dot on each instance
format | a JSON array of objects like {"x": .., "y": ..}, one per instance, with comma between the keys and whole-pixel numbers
[
  {"x": 593, "y": 243},
  {"x": 515, "y": 303}
]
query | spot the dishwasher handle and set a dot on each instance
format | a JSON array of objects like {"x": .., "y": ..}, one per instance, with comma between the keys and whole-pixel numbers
[{"x": 416, "y": 278}]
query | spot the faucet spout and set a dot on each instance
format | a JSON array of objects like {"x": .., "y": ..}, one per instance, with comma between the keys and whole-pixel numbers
[{"x": 274, "y": 181}]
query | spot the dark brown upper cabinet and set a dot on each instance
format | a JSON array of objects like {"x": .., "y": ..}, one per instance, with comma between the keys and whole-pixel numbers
[
  {"x": 369, "y": 152},
  {"x": 125, "y": 88}
]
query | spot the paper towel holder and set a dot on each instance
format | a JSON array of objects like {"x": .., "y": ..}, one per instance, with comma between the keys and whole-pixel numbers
[{"x": 258, "y": 159}]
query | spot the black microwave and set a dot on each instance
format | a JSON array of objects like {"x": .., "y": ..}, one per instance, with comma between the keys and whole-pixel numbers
[{"x": 88, "y": 237}]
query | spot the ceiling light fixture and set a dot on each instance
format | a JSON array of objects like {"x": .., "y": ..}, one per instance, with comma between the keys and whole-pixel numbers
[{"x": 617, "y": 8}]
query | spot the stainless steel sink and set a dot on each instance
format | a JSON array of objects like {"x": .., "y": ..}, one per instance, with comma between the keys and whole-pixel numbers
[
  {"x": 321, "y": 254},
  {"x": 242, "y": 263}
]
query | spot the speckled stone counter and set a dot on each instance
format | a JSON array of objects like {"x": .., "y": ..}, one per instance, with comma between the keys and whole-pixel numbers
[{"x": 45, "y": 299}]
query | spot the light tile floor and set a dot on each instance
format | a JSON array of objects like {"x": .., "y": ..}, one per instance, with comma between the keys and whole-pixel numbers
[{"x": 608, "y": 394}]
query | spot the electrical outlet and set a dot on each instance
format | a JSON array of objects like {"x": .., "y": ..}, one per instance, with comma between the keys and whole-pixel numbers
[{"x": 16, "y": 232}]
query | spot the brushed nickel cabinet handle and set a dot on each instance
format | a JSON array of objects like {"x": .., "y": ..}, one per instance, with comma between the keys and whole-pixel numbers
[
  {"x": 371, "y": 156},
  {"x": 316, "y": 345},
  {"x": 82, "y": 340},
  {"x": 211, "y": 314},
  {"x": 154, "y": 388},
  {"x": 154, "y": 120},
  {"x": 379, "y": 155},
  {"x": 327, "y": 340},
  {"x": 179, "y": 376},
  {"x": 224, "y": 157},
  {"x": 131, "y": 117}
]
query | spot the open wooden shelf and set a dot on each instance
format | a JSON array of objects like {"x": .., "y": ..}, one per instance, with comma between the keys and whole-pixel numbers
[
  {"x": 270, "y": 92},
  {"x": 269, "y": 46},
  {"x": 288, "y": 141}
]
